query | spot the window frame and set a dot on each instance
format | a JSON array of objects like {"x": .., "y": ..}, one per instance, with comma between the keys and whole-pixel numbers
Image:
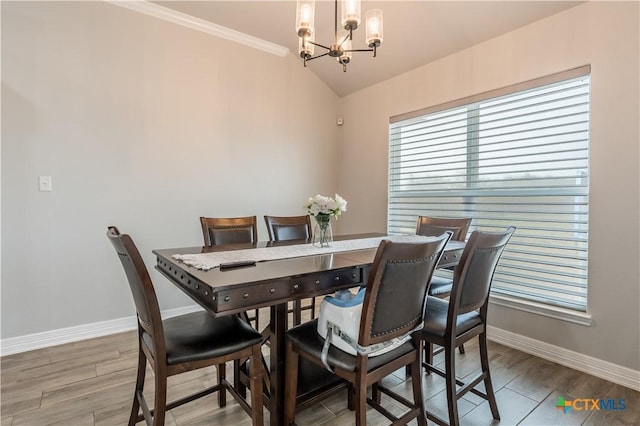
[{"x": 536, "y": 306}]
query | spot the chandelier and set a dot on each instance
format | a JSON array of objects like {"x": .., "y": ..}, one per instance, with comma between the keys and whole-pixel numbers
[{"x": 341, "y": 47}]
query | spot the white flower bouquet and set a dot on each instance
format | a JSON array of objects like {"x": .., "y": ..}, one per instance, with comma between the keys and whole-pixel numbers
[
  {"x": 320, "y": 205},
  {"x": 322, "y": 208}
]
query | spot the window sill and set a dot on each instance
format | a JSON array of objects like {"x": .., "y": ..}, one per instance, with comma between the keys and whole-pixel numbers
[{"x": 556, "y": 312}]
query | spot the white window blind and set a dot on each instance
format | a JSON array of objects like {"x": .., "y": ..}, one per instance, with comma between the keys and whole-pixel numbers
[{"x": 518, "y": 156}]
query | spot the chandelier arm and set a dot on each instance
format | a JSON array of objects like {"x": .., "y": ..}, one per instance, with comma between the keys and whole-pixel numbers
[
  {"x": 317, "y": 44},
  {"x": 360, "y": 50},
  {"x": 316, "y": 57},
  {"x": 345, "y": 39}
]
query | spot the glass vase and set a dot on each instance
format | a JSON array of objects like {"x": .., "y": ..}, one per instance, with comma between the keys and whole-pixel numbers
[{"x": 322, "y": 234}]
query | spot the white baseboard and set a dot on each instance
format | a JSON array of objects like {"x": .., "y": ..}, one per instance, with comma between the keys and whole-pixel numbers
[
  {"x": 45, "y": 339},
  {"x": 596, "y": 367}
]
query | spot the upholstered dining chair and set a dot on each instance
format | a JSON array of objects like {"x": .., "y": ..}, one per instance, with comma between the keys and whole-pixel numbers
[
  {"x": 399, "y": 277},
  {"x": 287, "y": 228},
  {"x": 237, "y": 230},
  {"x": 183, "y": 343},
  {"x": 229, "y": 230},
  {"x": 464, "y": 317},
  {"x": 430, "y": 227},
  {"x": 433, "y": 226}
]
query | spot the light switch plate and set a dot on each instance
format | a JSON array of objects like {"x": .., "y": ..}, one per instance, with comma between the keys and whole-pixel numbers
[{"x": 44, "y": 184}]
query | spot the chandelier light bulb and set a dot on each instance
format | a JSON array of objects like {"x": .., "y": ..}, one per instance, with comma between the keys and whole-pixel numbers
[
  {"x": 305, "y": 17},
  {"x": 374, "y": 27},
  {"x": 351, "y": 12},
  {"x": 305, "y": 49}
]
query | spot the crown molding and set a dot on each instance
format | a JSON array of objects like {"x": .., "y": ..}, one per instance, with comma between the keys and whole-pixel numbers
[{"x": 170, "y": 15}]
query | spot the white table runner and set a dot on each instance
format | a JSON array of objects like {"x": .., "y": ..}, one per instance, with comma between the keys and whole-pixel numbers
[{"x": 207, "y": 261}]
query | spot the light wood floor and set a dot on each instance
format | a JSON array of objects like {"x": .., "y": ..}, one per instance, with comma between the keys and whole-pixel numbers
[{"x": 91, "y": 383}]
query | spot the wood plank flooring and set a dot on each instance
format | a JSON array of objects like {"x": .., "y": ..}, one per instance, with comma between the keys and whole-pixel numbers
[{"x": 91, "y": 383}]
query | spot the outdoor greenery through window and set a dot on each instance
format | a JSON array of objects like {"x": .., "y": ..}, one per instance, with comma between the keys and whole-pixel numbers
[{"x": 517, "y": 156}]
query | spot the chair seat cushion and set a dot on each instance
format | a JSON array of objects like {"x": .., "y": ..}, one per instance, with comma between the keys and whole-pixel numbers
[
  {"x": 198, "y": 336},
  {"x": 435, "y": 319},
  {"x": 306, "y": 337},
  {"x": 440, "y": 286}
]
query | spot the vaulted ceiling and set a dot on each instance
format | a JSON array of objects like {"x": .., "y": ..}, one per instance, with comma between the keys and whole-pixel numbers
[{"x": 415, "y": 32}]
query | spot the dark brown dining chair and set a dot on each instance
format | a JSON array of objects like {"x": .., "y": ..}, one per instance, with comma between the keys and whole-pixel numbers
[
  {"x": 183, "y": 343},
  {"x": 431, "y": 227},
  {"x": 464, "y": 317},
  {"x": 287, "y": 228},
  {"x": 229, "y": 230},
  {"x": 237, "y": 230},
  {"x": 399, "y": 277}
]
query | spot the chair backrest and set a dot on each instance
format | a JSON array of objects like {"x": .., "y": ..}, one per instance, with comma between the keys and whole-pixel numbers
[
  {"x": 473, "y": 276},
  {"x": 397, "y": 288},
  {"x": 283, "y": 228},
  {"x": 433, "y": 226},
  {"x": 229, "y": 230},
  {"x": 142, "y": 289}
]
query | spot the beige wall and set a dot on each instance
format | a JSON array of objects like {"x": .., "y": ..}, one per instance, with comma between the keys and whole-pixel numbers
[
  {"x": 603, "y": 34},
  {"x": 145, "y": 125}
]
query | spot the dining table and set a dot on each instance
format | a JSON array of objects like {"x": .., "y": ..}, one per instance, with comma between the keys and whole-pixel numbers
[{"x": 235, "y": 278}]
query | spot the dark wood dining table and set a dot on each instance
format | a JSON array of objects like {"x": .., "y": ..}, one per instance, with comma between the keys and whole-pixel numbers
[{"x": 272, "y": 284}]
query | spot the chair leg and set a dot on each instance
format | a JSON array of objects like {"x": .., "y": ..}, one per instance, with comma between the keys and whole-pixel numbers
[
  {"x": 376, "y": 395},
  {"x": 361, "y": 403},
  {"x": 416, "y": 382},
  {"x": 291, "y": 385},
  {"x": 428, "y": 354},
  {"x": 237, "y": 383},
  {"x": 452, "y": 400},
  {"x": 222, "y": 393},
  {"x": 255, "y": 374},
  {"x": 297, "y": 312},
  {"x": 160, "y": 405},
  {"x": 488, "y": 386},
  {"x": 461, "y": 349},
  {"x": 351, "y": 395},
  {"x": 142, "y": 370}
]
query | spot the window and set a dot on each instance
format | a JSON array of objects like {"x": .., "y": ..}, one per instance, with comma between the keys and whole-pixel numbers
[{"x": 517, "y": 156}]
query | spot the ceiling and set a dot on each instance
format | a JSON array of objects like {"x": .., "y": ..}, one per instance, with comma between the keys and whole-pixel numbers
[{"x": 415, "y": 32}]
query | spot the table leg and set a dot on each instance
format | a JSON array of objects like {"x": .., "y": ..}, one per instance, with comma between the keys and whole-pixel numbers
[{"x": 278, "y": 326}]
